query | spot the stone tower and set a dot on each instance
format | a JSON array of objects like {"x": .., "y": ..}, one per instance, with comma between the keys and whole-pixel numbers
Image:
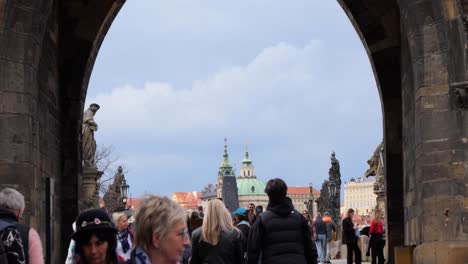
[{"x": 227, "y": 186}]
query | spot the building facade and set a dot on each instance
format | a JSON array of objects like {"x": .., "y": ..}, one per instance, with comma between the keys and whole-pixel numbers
[
  {"x": 359, "y": 195},
  {"x": 300, "y": 197}
]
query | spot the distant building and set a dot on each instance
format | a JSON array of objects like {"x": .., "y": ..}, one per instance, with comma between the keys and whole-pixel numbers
[
  {"x": 249, "y": 188},
  {"x": 300, "y": 197},
  {"x": 208, "y": 194},
  {"x": 359, "y": 195},
  {"x": 188, "y": 200}
]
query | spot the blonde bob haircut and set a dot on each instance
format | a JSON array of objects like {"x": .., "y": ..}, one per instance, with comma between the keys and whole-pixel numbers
[
  {"x": 156, "y": 214},
  {"x": 217, "y": 220},
  {"x": 378, "y": 215}
]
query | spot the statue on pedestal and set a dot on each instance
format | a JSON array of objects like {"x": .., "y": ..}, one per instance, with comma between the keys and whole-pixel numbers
[
  {"x": 376, "y": 168},
  {"x": 88, "y": 141}
]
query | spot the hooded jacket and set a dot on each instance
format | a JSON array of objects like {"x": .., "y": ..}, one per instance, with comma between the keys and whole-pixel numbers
[{"x": 281, "y": 235}]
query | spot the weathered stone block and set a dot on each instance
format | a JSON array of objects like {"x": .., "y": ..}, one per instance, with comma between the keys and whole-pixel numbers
[
  {"x": 17, "y": 103},
  {"x": 441, "y": 252}
]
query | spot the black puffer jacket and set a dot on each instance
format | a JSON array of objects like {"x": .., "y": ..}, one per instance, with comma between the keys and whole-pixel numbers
[
  {"x": 229, "y": 250},
  {"x": 281, "y": 235}
]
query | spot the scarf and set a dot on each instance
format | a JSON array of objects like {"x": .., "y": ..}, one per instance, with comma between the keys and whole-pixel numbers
[{"x": 123, "y": 238}]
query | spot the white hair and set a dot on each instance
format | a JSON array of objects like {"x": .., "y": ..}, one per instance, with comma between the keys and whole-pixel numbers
[
  {"x": 117, "y": 215},
  {"x": 11, "y": 199}
]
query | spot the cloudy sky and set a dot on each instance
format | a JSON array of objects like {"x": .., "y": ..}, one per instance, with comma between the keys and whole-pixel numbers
[{"x": 176, "y": 77}]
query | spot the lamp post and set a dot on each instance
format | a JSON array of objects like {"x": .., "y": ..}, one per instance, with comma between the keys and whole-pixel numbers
[
  {"x": 124, "y": 191},
  {"x": 332, "y": 188}
]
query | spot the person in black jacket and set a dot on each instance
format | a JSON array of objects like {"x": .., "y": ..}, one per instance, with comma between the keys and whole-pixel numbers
[
  {"x": 281, "y": 234},
  {"x": 217, "y": 241},
  {"x": 349, "y": 238}
]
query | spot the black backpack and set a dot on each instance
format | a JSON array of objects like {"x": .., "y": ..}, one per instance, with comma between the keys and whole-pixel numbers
[{"x": 11, "y": 246}]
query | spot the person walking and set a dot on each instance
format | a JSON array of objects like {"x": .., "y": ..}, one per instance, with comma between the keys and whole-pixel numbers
[
  {"x": 28, "y": 242},
  {"x": 217, "y": 240},
  {"x": 280, "y": 234},
  {"x": 161, "y": 234},
  {"x": 124, "y": 235},
  {"x": 241, "y": 222},
  {"x": 350, "y": 239},
  {"x": 320, "y": 232},
  {"x": 95, "y": 239},
  {"x": 331, "y": 227},
  {"x": 251, "y": 213},
  {"x": 377, "y": 242}
]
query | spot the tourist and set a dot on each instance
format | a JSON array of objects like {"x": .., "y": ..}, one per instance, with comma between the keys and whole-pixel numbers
[
  {"x": 26, "y": 245},
  {"x": 195, "y": 221},
  {"x": 377, "y": 242},
  {"x": 200, "y": 211},
  {"x": 241, "y": 222},
  {"x": 95, "y": 239},
  {"x": 331, "y": 228},
  {"x": 161, "y": 234},
  {"x": 350, "y": 239},
  {"x": 320, "y": 235},
  {"x": 310, "y": 223},
  {"x": 124, "y": 235},
  {"x": 281, "y": 233},
  {"x": 217, "y": 240},
  {"x": 251, "y": 214}
]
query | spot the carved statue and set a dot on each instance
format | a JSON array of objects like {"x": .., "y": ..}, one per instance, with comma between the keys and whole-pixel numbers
[
  {"x": 334, "y": 172},
  {"x": 376, "y": 167},
  {"x": 324, "y": 201},
  {"x": 88, "y": 141}
]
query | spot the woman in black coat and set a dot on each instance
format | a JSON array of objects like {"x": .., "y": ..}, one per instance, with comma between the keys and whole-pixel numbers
[{"x": 350, "y": 239}]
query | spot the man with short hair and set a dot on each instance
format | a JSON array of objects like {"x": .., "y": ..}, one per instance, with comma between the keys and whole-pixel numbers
[
  {"x": 281, "y": 234},
  {"x": 251, "y": 215},
  {"x": 11, "y": 212},
  {"x": 331, "y": 227},
  {"x": 320, "y": 233}
]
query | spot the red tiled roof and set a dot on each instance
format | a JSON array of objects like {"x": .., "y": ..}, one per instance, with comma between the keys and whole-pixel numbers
[
  {"x": 302, "y": 190},
  {"x": 188, "y": 200},
  {"x": 134, "y": 202}
]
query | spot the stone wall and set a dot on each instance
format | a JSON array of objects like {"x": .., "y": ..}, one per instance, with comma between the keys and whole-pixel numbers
[
  {"x": 435, "y": 132},
  {"x": 47, "y": 50}
]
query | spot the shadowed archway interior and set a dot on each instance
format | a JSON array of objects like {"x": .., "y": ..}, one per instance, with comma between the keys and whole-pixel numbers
[{"x": 416, "y": 49}]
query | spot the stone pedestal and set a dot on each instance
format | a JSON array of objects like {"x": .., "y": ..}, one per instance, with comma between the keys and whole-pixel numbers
[{"x": 89, "y": 189}]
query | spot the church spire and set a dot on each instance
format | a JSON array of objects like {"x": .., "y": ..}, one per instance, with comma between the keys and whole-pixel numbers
[
  {"x": 225, "y": 156},
  {"x": 247, "y": 150}
]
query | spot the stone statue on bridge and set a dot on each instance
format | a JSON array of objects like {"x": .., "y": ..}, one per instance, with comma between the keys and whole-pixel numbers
[{"x": 88, "y": 141}]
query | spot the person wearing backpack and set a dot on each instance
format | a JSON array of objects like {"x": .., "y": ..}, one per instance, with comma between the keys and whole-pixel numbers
[
  {"x": 11, "y": 212},
  {"x": 11, "y": 246},
  {"x": 281, "y": 235}
]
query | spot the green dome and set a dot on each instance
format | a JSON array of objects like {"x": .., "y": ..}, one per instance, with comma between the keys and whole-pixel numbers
[{"x": 250, "y": 186}]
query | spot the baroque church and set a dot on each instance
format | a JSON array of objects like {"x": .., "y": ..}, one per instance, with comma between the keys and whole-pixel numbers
[{"x": 249, "y": 188}]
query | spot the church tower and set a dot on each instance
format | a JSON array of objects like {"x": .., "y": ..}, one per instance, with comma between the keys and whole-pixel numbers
[
  {"x": 227, "y": 187},
  {"x": 225, "y": 169},
  {"x": 249, "y": 188}
]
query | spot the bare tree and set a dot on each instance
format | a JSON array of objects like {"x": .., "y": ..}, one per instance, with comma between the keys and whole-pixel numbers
[{"x": 106, "y": 159}]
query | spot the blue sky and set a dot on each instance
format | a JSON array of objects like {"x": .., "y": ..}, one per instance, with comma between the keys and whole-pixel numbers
[{"x": 176, "y": 77}]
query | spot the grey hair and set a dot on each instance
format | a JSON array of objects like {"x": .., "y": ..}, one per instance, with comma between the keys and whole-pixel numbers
[
  {"x": 117, "y": 215},
  {"x": 156, "y": 215},
  {"x": 11, "y": 199}
]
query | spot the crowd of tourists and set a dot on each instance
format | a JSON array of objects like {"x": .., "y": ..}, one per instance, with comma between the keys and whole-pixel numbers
[{"x": 161, "y": 232}]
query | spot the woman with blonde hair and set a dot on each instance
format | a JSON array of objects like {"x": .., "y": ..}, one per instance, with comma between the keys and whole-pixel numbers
[
  {"x": 161, "y": 234},
  {"x": 217, "y": 240},
  {"x": 377, "y": 242}
]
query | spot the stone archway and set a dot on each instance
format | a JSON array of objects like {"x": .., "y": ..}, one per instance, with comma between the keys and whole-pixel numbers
[{"x": 417, "y": 51}]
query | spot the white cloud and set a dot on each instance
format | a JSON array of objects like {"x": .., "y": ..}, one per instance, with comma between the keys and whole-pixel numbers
[
  {"x": 287, "y": 96},
  {"x": 263, "y": 91}
]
